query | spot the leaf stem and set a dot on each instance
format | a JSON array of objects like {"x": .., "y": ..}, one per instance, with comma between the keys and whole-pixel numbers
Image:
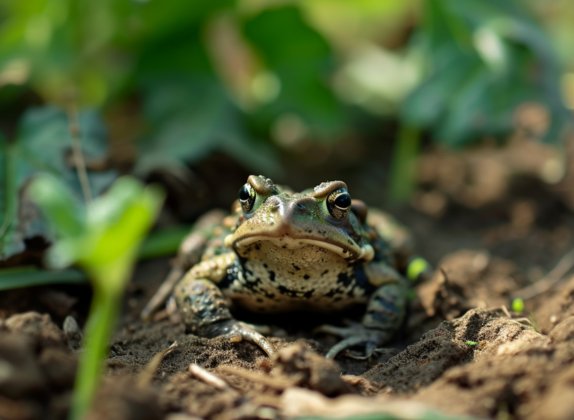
[
  {"x": 78, "y": 156},
  {"x": 103, "y": 314},
  {"x": 403, "y": 164}
]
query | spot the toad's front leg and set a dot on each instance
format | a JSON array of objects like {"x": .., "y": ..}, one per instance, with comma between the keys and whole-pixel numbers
[
  {"x": 205, "y": 310},
  {"x": 210, "y": 225}
]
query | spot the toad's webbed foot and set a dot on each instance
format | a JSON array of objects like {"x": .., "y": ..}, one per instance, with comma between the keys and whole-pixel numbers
[
  {"x": 237, "y": 331},
  {"x": 355, "y": 335}
]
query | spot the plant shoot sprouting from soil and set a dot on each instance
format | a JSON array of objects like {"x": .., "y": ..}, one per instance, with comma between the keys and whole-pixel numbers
[{"x": 103, "y": 238}]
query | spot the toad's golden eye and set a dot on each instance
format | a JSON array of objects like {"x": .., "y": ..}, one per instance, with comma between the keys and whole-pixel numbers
[
  {"x": 246, "y": 197},
  {"x": 339, "y": 203}
]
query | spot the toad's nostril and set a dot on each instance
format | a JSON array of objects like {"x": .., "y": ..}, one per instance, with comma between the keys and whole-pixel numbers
[
  {"x": 302, "y": 206},
  {"x": 274, "y": 203}
]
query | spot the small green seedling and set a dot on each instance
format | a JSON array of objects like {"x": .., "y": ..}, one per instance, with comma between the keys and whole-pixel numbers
[
  {"x": 471, "y": 343},
  {"x": 103, "y": 238},
  {"x": 517, "y": 305}
]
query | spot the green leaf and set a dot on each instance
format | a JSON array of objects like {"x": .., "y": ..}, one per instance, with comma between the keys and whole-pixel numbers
[
  {"x": 428, "y": 102},
  {"x": 15, "y": 278},
  {"x": 44, "y": 140},
  {"x": 118, "y": 220},
  {"x": 64, "y": 214},
  {"x": 484, "y": 59},
  {"x": 303, "y": 62},
  {"x": 61, "y": 207},
  {"x": 188, "y": 110},
  {"x": 107, "y": 238},
  {"x": 191, "y": 119},
  {"x": 166, "y": 20},
  {"x": 42, "y": 145}
]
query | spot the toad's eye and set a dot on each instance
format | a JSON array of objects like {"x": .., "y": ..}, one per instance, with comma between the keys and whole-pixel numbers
[
  {"x": 246, "y": 197},
  {"x": 339, "y": 203}
]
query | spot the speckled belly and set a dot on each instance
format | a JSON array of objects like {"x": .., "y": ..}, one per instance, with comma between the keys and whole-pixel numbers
[{"x": 283, "y": 279}]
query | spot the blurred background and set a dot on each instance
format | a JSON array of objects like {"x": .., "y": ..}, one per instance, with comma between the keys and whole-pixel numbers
[
  {"x": 453, "y": 115},
  {"x": 426, "y": 102}
]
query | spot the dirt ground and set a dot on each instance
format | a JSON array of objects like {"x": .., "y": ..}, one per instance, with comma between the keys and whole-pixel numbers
[{"x": 490, "y": 220}]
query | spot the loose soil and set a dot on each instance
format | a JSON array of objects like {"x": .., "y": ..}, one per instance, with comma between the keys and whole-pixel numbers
[{"x": 488, "y": 221}]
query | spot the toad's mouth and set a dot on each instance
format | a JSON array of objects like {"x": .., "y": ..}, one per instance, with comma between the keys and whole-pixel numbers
[{"x": 349, "y": 251}]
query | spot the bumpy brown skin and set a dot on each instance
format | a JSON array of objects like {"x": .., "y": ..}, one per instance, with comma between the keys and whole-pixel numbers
[{"x": 291, "y": 251}]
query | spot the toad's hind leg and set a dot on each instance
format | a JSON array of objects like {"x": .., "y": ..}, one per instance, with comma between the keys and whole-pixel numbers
[
  {"x": 386, "y": 309},
  {"x": 205, "y": 312},
  {"x": 384, "y": 316}
]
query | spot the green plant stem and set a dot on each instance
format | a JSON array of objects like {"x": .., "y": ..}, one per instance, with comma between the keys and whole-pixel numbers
[
  {"x": 102, "y": 319},
  {"x": 403, "y": 164},
  {"x": 78, "y": 155}
]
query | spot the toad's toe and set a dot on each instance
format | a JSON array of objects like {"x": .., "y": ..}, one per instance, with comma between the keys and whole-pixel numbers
[{"x": 237, "y": 331}]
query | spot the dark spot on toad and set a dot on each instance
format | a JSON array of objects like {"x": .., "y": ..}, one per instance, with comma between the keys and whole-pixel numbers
[
  {"x": 362, "y": 281},
  {"x": 333, "y": 292},
  {"x": 344, "y": 279}
]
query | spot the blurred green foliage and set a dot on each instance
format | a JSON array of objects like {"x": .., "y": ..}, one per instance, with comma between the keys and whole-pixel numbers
[
  {"x": 482, "y": 59},
  {"x": 233, "y": 73},
  {"x": 302, "y": 60},
  {"x": 167, "y": 55},
  {"x": 41, "y": 145}
]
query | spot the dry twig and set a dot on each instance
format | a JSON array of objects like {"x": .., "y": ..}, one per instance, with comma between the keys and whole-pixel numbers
[
  {"x": 553, "y": 278},
  {"x": 269, "y": 381},
  {"x": 208, "y": 377},
  {"x": 146, "y": 375}
]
